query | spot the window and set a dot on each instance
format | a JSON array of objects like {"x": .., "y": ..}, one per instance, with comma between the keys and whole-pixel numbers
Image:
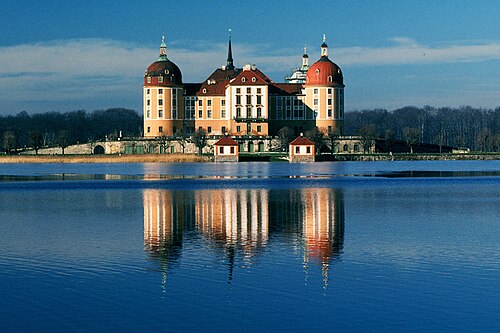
[
  {"x": 160, "y": 79},
  {"x": 204, "y": 90},
  {"x": 160, "y": 113},
  {"x": 148, "y": 114},
  {"x": 232, "y": 150},
  {"x": 243, "y": 79},
  {"x": 223, "y": 102},
  {"x": 148, "y": 102},
  {"x": 160, "y": 101},
  {"x": 297, "y": 149},
  {"x": 238, "y": 128},
  {"x": 149, "y": 79},
  {"x": 346, "y": 147},
  {"x": 259, "y": 112},
  {"x": 329, "y": 79},
  {"x": 200, "y": 113},
  {"x": 329, "y": 91},
  {"x": 200, "y": 102},
  {"x": 149, "y": 129},
  {"x": 308, "y": 149},
  {"x": 238, "y": 112},
  {"x": 356, "y": 148},
  {"x": 238, "y": 100},
  {"x": 223, "y": 129},
  {"x": 209, "y": 129},
  {"x": 200, "y": 128},
  {"x": 254, "y": 79},
  {"x": 329, "y": 113},
  {"x": 249, "y": 99},
  {"x": 223, "y": 113},
  {"x": 259, "y": 100},
  {"x": 315, "y": 90},
  {"x": 160, "y": 129},
  {"x": 315, "y": 101},
  {"x": 209, "y": 113},
  {"x": 249, "y": 112},
  {"x": 238, "y": 90},
  {"x": 221, "y": 150},
  {"x": 160, "y": 91},
  {"x": 317, "y": 71},
  {"x": 259, "y": 128},
  {"x": 259, "y": 90},
  {"x": 148, "y": 91},
  {"x": 209, "y": 102},
  {"x": 249, "y": 90},
  {"x": 329, "y": 101}
]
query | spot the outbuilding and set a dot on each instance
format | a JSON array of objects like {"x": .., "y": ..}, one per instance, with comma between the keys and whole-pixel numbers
[
  {"x": 226, "y": 150},
  {"x": 301, "y": 150}
]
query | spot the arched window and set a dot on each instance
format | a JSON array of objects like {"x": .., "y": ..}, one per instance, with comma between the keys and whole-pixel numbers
[
  {"x": 346, "y": 147},
  {"x": 317, "y": 71},
  {"x": 356, "y": 148},
  {"x": 330, "y": 78}
]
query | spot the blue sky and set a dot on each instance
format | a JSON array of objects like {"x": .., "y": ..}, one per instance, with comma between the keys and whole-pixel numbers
[{"x": 70, "y": 55}]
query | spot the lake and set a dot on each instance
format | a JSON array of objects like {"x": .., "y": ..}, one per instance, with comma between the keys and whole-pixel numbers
[{"x": 245, "y": 247}]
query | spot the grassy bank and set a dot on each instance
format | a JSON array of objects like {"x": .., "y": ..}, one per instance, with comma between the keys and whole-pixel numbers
[{"x": 146, "y": 158}]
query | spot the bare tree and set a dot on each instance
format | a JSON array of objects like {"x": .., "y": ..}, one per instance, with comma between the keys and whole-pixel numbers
[
  {"x": 200, "y": 140},
  {"x": 317, "y": 136},
  {"x": 285, "y": 136},
  {"x": 334, "y": 139},
  {"x": 63, "y": 139},
  {"x": 412, "y": 136},
  {"x": 36, "y": 140},
  {"x": 9, "y": 141},
  {"x": 368, "y": 134},
  {"x": 164, "y": 142}
]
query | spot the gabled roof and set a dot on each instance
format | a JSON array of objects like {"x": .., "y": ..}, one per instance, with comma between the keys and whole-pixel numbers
[
  {"x": 217, "y": 82},
  {"x": 226, "y": 141},
  {"x": 251, "y": 77},
  {"x": 302, "y": 141}
]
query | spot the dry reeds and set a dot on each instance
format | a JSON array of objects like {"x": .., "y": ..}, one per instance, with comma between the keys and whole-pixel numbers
[{"x": 146, "y": 158}]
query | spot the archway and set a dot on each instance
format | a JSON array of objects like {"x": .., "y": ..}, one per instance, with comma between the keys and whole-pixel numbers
[{"x": 98, "y": 150}]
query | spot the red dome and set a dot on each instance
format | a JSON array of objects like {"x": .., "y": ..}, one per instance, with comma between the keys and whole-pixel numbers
[
  {"x": 163, "y": 73},
  {"x": 324, "y": 72}
]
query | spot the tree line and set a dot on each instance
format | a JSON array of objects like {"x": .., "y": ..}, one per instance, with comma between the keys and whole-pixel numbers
[
  {"x": 474, "y": 128},
  {"x": 64, "y": 129}
]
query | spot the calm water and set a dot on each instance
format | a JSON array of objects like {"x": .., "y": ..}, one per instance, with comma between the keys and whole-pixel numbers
[{"x": 398, "y": 246}]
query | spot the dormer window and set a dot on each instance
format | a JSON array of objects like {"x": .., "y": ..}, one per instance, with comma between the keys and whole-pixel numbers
[
  {"x": 243, "y": 79},
  {"x": 317, "y": 71},
  {"x": 204, "y": 90},
  {"x": 254, "y": 79},
  {"x": 160, "y": 79},
  {"x": 149, "y": 79},
  {"x": 330, "y": 79}
]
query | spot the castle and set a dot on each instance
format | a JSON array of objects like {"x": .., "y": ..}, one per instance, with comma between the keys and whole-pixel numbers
[{"x": 243, "y": 101}]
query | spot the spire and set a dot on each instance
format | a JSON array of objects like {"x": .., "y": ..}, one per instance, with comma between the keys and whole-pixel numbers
[
  {"x": 324, "y": 47},
  {"x": 305, "y": 59},
  {"x": 163, "y": 49},
  {"x": 229, "y": 64}
]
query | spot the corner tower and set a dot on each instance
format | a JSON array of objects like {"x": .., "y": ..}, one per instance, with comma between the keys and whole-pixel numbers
[
  {"x": 325, "y": 92},
  {"x": 162, "y": 96}
]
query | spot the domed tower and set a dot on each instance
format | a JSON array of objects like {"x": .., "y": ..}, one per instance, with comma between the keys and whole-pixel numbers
[
  {"x": 162, "y": 96},
  {"x": 325, "y": 93}
]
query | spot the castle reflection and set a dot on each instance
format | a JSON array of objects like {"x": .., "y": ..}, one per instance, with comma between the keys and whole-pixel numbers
[{"x": 238, "y": 223}]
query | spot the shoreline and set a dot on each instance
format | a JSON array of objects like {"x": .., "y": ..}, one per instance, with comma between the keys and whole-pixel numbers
[
  {"x": 146, "y": 158},
  {"x": 194, "y": 158}
]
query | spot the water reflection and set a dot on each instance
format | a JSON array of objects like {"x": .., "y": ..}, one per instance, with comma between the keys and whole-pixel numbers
[{"x": 239, "y": 224}]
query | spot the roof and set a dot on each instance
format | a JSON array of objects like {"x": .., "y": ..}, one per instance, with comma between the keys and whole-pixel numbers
[
  {"x": 302, "y": 141},
  {"x": 283, "y": 89},
  {"x": 226, "y": 141},
  {"x": 251, "y": 77},
  {"x": 191, "y": 88},
  {"x": 170, "y": 73},
  {"x": 324, "y": 72},
  {"x": 217, "y": 82}
]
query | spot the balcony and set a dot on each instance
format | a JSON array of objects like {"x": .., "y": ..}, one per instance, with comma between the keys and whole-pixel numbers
[{"x": 250, "y": 120}]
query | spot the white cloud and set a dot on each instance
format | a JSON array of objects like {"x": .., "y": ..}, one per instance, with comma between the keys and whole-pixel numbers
[
  {"x": 408, "y": 51},
  {"x": 83, "y": 69}
]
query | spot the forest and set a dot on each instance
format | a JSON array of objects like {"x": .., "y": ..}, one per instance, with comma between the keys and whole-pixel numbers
[
  {"x": 63, "y": 129},
  {"x": 468, "y": 127},
  {"x": 475, "y": 128}
]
